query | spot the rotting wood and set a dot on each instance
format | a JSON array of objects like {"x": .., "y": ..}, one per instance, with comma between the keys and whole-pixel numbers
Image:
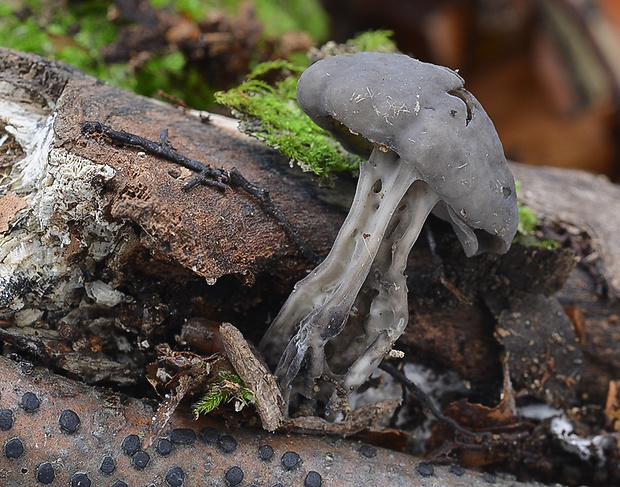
[
  {"x": 164, "y": 244},
  {"x": 203, "y": 450}
]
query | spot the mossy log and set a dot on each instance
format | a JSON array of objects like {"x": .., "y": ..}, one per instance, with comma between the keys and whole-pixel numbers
[{"x": 104, "y": 255}]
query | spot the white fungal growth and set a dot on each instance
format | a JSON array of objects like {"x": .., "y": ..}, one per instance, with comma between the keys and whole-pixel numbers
[{"x": 60, "y": 189}]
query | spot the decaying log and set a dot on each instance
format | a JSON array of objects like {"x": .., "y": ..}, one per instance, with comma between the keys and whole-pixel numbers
[
  {"x": 52, "y": 424},
  {"x": 114, "y": 226},
  {"x": 104, "y": 255}
]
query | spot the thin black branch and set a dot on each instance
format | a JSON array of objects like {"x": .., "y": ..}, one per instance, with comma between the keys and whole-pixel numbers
[
  {"x": 207, "y": 175},
  {"x": 422, "y": 396}
]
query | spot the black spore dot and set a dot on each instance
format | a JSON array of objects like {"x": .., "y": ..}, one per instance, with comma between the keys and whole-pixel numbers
[
  {"x": 13, "y": 448},
  {"x": 164, "y": 446},
  {"x": 140, "y": 460},
  {"x": 119, "y": 483},
  {"x": 183, "y": 436},
  {"x": 426, "y": 469},
  {"x": 265, "y": 452},
  {"x": 6, "y": 419},
  {"x": 175, "y": 477},
  {"x": 45, "y": 473},
  {"x": 457, "y": 470},
  {"x": 313, "y": 479},
  {"x": 30, "y": 402},
  {"x": 227, "y": 443},
  {"x": 234, "y": 476},
  {"x": 69, "y": 421},
  {"x": 290, "y": 460},
  {"x": 209, "y": 435},
  {"x": 80, "y": 480},
  {"x": 131, "y": 444},
  {"x": 367, "y": 451},
  {"x": 108, "y": 465}
]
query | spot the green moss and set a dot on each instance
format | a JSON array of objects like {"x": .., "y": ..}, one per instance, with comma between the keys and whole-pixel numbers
[
  {"x": 77, "y": 32},
  {"x": 73, "y": 32},
  {"x": 227, "y": 388},
  {"x": 277, "y": 16},
  {"x": 374, "y": 41},
  {"x": 527, "y": 226},
  {"x": 269, "y": 110}
]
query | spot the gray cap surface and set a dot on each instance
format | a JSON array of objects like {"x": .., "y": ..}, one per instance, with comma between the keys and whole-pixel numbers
[{"x": 423, "y": 113}]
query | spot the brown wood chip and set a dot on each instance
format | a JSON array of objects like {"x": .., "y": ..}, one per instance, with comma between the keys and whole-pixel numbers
[
  {"x": 267, "y": 398},
  {"x": 10, "y": 204}
]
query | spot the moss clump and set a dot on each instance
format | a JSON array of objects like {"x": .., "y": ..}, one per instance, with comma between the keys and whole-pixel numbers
[
  {"x": 527, "y": 226},
  {"x": 228, "y": 387},
  {"x": 267, "y": 108},
  {"x": 270, "y": 113},
  {"x": 371, "y": 41}
]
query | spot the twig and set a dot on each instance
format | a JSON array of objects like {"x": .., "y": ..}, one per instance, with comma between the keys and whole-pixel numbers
[
  {"x": 422, "y": 396},
  {"x": 216, "y": 177}
]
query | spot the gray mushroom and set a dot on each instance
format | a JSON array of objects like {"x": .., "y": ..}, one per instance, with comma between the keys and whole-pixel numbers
[{"x": 431, "y": 147}]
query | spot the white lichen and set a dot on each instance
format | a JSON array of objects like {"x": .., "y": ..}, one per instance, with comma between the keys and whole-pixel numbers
[{"x": 64, "y": 215}]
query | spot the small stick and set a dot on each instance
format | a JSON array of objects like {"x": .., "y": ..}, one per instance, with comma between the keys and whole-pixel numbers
[{"x": 422, "y": 396}]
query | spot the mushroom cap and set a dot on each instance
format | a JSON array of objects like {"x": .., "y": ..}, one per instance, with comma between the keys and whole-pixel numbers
[{"x": 423, "y": 113}]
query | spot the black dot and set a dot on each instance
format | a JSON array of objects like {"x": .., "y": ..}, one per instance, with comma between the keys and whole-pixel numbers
[
  {"x": 227, "y": 443},
  {"x": 209, "y": 435},
  {"x": 164, "y": 446},
  {"x": 108, "y": 466},
  {"x": 457, "y": 470},
  {"x": 265, "y": 452},
  {"x": 69, "y": 421},
  {"x": 45, "y": 473},
  {"x": 13, "y": 448},
  {"x": 131, "y": 444},
  {"x": 183, "y": 436},
  {"x": 175, "y": 477},
  {"x": 290, "y": 460},
  {"x": 80, "y": 480},
  {"x": 119, "y": 483},
  {"x": 313, "y": 479},
  {"x": 426, "y": 469},
  {"x": 6, "y": 419},
  {"x": 30, "y": 402},
  {"x": 140, "y": 460},
  {"x": 234, "y": 476},
  {"x": 368, "y": 451}
]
